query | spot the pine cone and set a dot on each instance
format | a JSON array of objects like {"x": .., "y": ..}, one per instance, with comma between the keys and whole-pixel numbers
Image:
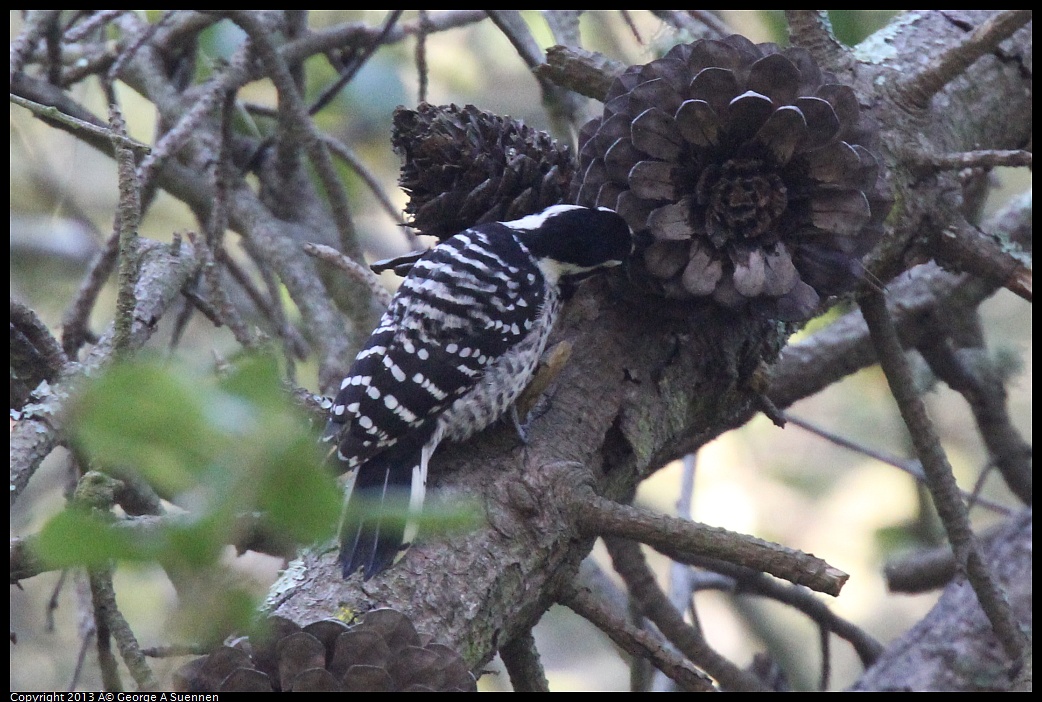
[
  {"x": 381, "y": 654},
  {"x": 462, "y": 167},
  {"x": 747, "y": 173}
]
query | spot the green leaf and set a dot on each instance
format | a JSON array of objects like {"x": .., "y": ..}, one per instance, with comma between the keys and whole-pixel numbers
[
  {"x": 298, "y": 495},
  {"x": 219, "y": 447},
  {"x": 79, "y": 537},
  {"x": 148, "y": 417}
]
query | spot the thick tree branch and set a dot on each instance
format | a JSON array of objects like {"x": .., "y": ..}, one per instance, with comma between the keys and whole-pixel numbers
[
  {"x": 844, "y": 347},
  {"x": 956, "y": 629},
  {"x": 916, "y": 90},
  {"x": 812, "y": 30}
]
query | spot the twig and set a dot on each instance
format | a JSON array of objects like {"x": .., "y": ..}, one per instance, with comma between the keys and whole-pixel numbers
[
  {"x": 844, "y": 347},
  {"x": 629, "y": 562},
  {"x": 921, "y": 571},
  {"x": 516, "y": 30},
  {"x": 940, "y": 480},
  {"x": 912, "y": 468},
  {"x": 49, "y": 351},
  {"x": 25, "y": 564},
  {"x": 683, "y": 540},
  {"x": 144, "y": 34},
  {"x": 358, "y": 166},
  {"x": 564, "y": 25},
  {"x": 36, "y": 23},
  {"x": 128, "y": 216},
  {"x": 302, "y": 132},
  {"x": 585, "y": 72},
  {"x": 53, "y": 114},
  {"x": 682, "y": 576},
  {"x": 224, "y": 310},
  {"x": 917, "y": 89},
  {"x": 356, "y": 64},
  {"x": 81, "y": 658},
  {"x": 95, "y": 61},
  {"x": 984, "y": 158},
  {"x": 294, "y": 25},
  {"x": 634, "y": 641},
  {"x": 749, "y": 582},
  {"x": 359, "y": 34},
  {"x": 216, "y": 225},
  {"x": 353, "y": 269},
  {"x": 521, "y": 660},
  {"x": 826, "y": 659},
  {"x": 54, "y": 600},
  {"x": 99, "y": 19},
  {"x": 420, "y": 55},
  {"x": 209, "y": 98},
  {"x": 562, "y": 107},
  {"x": 696, "y": 23},
  {"x": 685, "y": 504},
  {"x": 627, "y": 19},
  {"x": 110, "y": 679},
  {"x": 298, "y": 131},
  {"x": 176, "y": 650},
  {"x": 243, "y": 279},
  {"x": 110, "y": 620},
  {"x": 96, "y": 492},
  {"x": 956, "y": 630},
  {"x": 194, "y": 301},
  {"x": 966, "y": 248},
  {"x": 269, "y": 305},
  {"x": 53, "y": 40},
  {"x": 971, "y": 373}
]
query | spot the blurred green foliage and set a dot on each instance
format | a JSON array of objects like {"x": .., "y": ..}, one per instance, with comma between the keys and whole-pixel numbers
[
  {"x": 225, "y": 447},
  {"x": 221, "y": 447}
]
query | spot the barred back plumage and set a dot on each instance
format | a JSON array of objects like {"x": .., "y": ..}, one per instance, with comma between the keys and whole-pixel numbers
[{"x": 456, "y": 347}]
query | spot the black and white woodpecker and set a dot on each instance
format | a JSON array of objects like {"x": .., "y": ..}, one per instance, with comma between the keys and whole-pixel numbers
[{"x": 457, "y": 345}]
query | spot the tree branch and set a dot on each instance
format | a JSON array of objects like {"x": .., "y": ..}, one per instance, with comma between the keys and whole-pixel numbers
[
  {"x": 957, "y": 630},
  {"x": 917, "y": 89},
  {"x": 653, "y": 603},
  {"x": 681, "y": 540},
  {"x": 521, "y": 660},
  {"x": 636, "y": 642},
  {"x": 162, "y": 273},
  {"x": 940, "y": 479}
]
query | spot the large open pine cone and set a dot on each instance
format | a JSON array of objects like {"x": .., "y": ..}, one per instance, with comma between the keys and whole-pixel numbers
[
  {"x": 381, "y": 654},
  {"x": 749, "y": 171}
]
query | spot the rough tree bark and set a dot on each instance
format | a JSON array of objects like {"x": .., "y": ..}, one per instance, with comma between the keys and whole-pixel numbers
[{"x": 641, "y": 390}]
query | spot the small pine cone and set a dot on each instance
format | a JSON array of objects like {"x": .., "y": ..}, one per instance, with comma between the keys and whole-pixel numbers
[
  {"x": 383, "y": 653},
  {"x": 462, "y": 167},
  {"x": 747, "y": 173}
]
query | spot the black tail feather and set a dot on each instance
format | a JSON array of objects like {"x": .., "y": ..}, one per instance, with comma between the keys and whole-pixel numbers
[
  {"x": 372, "y": 535},
  {"x": 370, "y": 544}
]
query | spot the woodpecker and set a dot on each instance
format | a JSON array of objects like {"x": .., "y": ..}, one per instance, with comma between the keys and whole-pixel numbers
[{"x": 457, "y": 345}]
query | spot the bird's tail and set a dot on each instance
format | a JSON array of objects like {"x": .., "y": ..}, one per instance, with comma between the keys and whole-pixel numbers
[{"x": 381, "y": 511}]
